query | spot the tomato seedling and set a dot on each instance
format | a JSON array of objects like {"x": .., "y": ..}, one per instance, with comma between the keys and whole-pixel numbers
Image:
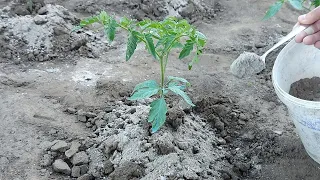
[
  {"x": 159, "y": 37},
  {"x": 297, "y": 4}
]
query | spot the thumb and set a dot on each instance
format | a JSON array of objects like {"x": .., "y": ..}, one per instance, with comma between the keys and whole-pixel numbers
[{"x": 311, "y": 17}]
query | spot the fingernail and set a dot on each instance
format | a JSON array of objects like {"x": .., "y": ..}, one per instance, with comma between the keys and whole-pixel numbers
[{"x": 302, "y": 17}]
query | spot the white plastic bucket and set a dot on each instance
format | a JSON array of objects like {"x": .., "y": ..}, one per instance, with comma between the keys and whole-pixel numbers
[{"x": 294, "y": 62}]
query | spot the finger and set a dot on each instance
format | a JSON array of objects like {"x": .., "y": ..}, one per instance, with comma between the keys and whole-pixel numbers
[
  {"x": 317, "y": 44},
  {"x": 309, "y": 40},
  {"x": 309, "y": 31},
  {"x": 299, "y": 37},
  {"x": 311, "y": 17}
]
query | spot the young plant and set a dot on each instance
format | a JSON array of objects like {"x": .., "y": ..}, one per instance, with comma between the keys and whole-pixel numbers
[
  {"x": 30, "y": 5},
  {"x": 159, "y": 38},
  {"x": 297, "y": 4}
]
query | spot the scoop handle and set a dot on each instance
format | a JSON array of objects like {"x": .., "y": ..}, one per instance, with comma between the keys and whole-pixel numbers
[{"x": 292, "y": 34}]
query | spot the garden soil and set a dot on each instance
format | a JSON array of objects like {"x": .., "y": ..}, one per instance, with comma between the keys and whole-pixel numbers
[
  {"x": 64, "y": 112},
  {"x": 307, "y": 89}
]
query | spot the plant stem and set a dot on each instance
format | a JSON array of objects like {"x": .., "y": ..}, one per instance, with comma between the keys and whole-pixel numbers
[{"x": 162, "y": 66}]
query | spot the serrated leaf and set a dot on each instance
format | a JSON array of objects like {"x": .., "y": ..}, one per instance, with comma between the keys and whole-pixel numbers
[
  {"x": 131, "y": 45},
  {"x": 177, "y": 90},
  {"x": 188, "y": 47},
  {"x": 273, "y": 10},
  {"x": 88, "y": 21},
  {"x": 161, "y": 42},
  {"x": 150, "y": 45},
  {"x": 177, "y": 45},
  {"x": 110, "y": 29},
  {"x": 169, "y": 40},
  {"x": 157, "y": 114},
  {"x": 103, "y": 17},
  {"x": 200, "y": 35},
  {"x": 181, "y": 87},
  {"x": 76, "y": 28},
  {"x": 296, "y": 4},
  {"x": 201, "y": 39},
  {"x": 166, "y": 41},
  {"x": 145, "y": 84},
  {"x": 170, "y": 78},
  {"x": 125, "y": 22},
  {"x": 144, "y": 93}
]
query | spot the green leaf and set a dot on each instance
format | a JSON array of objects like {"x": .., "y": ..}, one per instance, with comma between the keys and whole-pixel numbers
[
  {"x": 150, "y": 45},
  {"x": 296, "y": 4},
  {"x": 179, "y": 79},
  {"x": 157, "y": 114},
  {"x": 315, "y": 3},
  {"x": 177, "y": 45},
  {"x": 273, "y": 9},
  {"x": 166, "y": 42},
  {"x": 110, "y": 29},
  {"x": 170, "y": 40},
  {"x": 145, "y": 89},
  {"x": 125, "y": 22},
  {"x": 76, "y": 28},
  {"x": 188, "y": 47},
  {"x": 201, "y": 39},
  {"x": 89, "y": 20},
  {"x": 131, "y": 45},
  {"x": 144, "y": 93},
  {"x": 146, "y": 84},
  {"x": 177, "y": 90},
  {"x": 160, "y": 42},
  {"x": 103, "y": 17},
  {"x": 181, "y": 87}
]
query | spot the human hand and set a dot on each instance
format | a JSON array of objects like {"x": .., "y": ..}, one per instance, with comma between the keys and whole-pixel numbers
[{"x": 311, "y": 35}]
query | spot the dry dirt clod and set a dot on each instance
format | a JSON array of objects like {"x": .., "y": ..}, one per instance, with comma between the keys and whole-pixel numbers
[
  {"x": 80, "y": 158},
  {"x": 84, "y": 169},
  {"x": 127, "y": 170},
  {"x": 21, "y": 11},
  {"x": 61, "y": 146},
  {"x": 110, "y": 145},
  {"x": 46, "y": 160},
  {"x": 39, "y": 20},
  {"x": 108, "y": 167},
  {"x": 221, "y": 141},
  {"x": 164, "y": 144},
  {"x": 43, "y": 11},
  {"x": 77, "y": 44},
  {"x": 82, "y": 118},
  {"x": 74, "y": 148},
  {"x": 219, "y": 125},
  {"x": 183, "y": 145},
  {"x": 75, "y": 171},
  {"x": 61, "y": 167},
  {"x": 85, "y": 177},
  {"x": 96, "y": 166}
]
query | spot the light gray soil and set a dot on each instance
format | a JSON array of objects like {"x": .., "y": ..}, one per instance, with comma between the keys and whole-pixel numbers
[
  {"x": 64, "y": 112},
  {"x": 247, "y": 64}
]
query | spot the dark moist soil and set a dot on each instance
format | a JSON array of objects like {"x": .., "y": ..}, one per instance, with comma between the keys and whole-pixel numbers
[{"x": 307, "y": 89}]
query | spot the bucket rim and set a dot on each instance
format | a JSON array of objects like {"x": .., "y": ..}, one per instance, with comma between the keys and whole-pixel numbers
[{"x": 297, "y": 101}]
